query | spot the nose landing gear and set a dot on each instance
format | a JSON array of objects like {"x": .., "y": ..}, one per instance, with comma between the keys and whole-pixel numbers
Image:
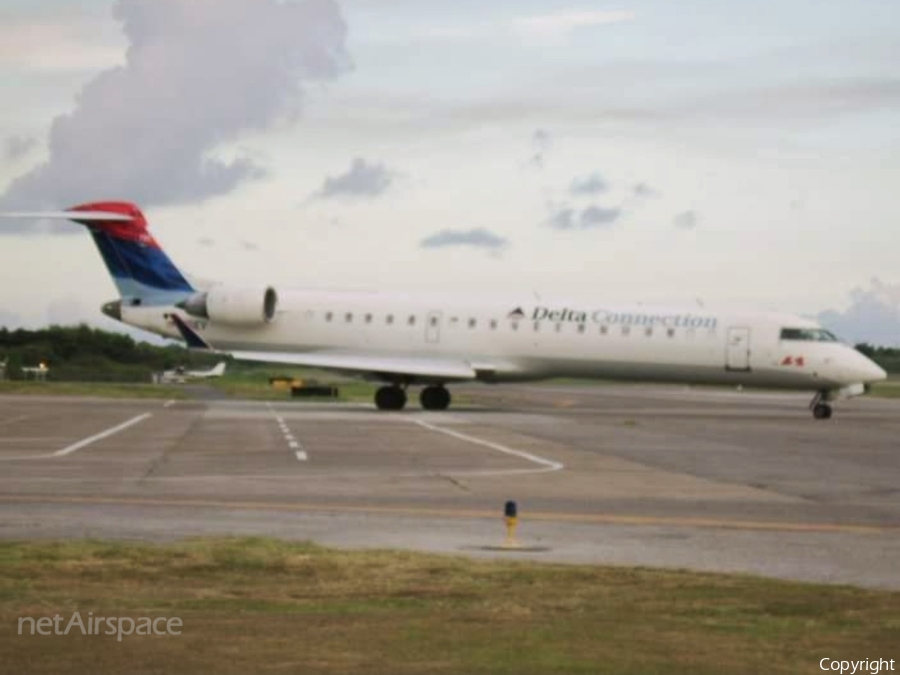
[
  {"x": 821, "y": 411},
  {"x": 820, "y": 407}
]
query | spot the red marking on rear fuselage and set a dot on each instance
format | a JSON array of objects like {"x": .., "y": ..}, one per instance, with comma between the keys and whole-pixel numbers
[{"x": 133, "y": 230}]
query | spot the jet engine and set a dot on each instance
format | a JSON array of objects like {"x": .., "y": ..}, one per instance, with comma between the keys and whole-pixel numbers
[{"x": 234, "y": 306}]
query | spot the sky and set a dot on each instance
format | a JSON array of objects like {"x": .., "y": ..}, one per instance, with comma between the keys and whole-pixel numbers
[{"x": 706, "y": 151}]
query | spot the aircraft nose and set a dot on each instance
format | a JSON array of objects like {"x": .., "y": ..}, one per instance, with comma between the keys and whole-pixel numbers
[{"x": 869, "y": 371}]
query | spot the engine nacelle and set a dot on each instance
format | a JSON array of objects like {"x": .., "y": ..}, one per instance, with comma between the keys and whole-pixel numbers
[{"x": 234, "y": 306}]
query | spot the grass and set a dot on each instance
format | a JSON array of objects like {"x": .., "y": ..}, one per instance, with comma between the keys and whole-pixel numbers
[
  {"x": 262, "y": 606},
  {"x": 254, "y": 384},
  {"x": 102, "y": 389},
  {"x": 890, "y": 388}
]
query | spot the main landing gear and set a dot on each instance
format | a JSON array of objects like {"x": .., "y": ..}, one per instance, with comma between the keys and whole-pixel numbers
[
  {"x": 435, "y": 397},
  {"x": 820, "y": 406},
  {"x": 393, "y": 397},
  {"x": 390, "y": 397}
]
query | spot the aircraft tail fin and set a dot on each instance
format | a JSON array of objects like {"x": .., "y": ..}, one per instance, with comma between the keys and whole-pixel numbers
[{"x": 141, "y": 270}]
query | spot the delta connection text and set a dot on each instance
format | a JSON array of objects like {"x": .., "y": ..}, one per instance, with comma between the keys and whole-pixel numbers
[
  {"x": 606, "y": 316},
  {"x": 97, "y": 625}
]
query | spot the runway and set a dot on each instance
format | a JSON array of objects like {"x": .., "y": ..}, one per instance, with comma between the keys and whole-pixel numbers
[{"x": 704, "y": 479}]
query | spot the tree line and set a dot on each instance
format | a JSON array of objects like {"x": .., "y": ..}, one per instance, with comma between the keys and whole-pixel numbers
[{"x": 82, "y": 353}]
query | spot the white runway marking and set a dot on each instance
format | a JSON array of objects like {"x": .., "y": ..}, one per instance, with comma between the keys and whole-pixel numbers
[
  {"x": 169, "y": 404},
  {"x": 292, "y": 442},
  {"x": 547, "y": 464},
  {"x": 99, "y": 437}
]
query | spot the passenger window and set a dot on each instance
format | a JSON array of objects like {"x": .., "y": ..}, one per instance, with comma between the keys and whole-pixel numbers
[
  {"x": 649, "y": 331},
  {"x": 493, "y": 324},
  {"x": 626, "y": 330},
  {"x": 472, "y": 323},
  {"x": 328, "y": 316},
  {"x": 433, "y": 321},
  {"x": 537, "y": 326},
  {"x": 348, "y": 317},
  {"x": 389, "y": 319},
  {"x": 515, "y": 325},
  {"x": 604, "y": 329},
  {"x": 670, "y": 332},
  {"x": 412, "y": 320},
  {"x": 581, "y": 328},
  {"x": 558, "y": 327},
  {"x": 368, "y": 318}
]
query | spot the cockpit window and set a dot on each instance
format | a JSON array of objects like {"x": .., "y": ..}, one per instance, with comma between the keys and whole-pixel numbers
[{"x": 808, "y": 334}]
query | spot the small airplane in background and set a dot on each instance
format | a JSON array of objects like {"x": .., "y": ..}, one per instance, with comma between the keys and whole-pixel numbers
[
  {"x": 404, "y": 339},
  {"x": 180, "y": 375}
]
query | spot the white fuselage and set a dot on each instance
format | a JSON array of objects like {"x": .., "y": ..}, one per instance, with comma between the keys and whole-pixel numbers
[{"x": 520, "y": 339}]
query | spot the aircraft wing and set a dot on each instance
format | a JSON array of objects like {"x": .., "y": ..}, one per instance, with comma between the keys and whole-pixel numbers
[
  {"x": 364, "y": 364},
  {"x": 419, "y": 367}
]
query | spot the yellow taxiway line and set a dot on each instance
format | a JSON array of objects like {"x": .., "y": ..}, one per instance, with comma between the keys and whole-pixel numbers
[{"x": 437, "y": 512}]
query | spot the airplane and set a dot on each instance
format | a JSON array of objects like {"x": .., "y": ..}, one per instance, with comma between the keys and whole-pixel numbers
[
  {"x": 180, "y": 375},
  {"x": 406, "y": 339}
]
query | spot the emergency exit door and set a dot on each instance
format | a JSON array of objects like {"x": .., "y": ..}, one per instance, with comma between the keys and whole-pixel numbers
[{"x": 737, "y": 352}]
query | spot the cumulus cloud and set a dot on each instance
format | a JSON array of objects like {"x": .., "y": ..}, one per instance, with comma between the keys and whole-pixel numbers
[
  {"x": 589, "y": 185},
  {"x": 567, "y": 218},
  {"x": 598, "y": 216},
  {"x": 686, "y": 220},
  {"x": 17, "y": 147},
  {"x": 362, "y": 179},
  {"x": 643, "y": 190},
  {"x": 873, "y": 315},
  {"x": 196, "y": 75},
  {"x": 476, "y": 238}
]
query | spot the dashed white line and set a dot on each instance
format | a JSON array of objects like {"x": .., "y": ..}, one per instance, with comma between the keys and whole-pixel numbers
[
  {"x": 547, "y": 464},
  {"x": 99, "y": 437},
  {"x": 292, "y": 442}
]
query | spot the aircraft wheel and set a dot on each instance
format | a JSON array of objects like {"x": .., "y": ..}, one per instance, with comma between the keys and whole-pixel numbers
[
  {"x": 435, "y": 398},
  {"x": 822, "y": 411},
  {"x": 390, "y": 397}
]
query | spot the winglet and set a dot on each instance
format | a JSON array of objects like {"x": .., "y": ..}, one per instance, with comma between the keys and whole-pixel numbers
[{"x": 189, "y": 335}]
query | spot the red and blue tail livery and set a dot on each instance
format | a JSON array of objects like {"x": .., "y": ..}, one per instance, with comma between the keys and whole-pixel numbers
[
  {"x": 134, "y": 259},
  {"x": 141, "y": 270}
]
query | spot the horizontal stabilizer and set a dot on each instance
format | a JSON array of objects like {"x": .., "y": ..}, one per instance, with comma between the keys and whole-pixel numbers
[
  {"x": 68, "y": 215},
  {"x": 189, "y": 335}
]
